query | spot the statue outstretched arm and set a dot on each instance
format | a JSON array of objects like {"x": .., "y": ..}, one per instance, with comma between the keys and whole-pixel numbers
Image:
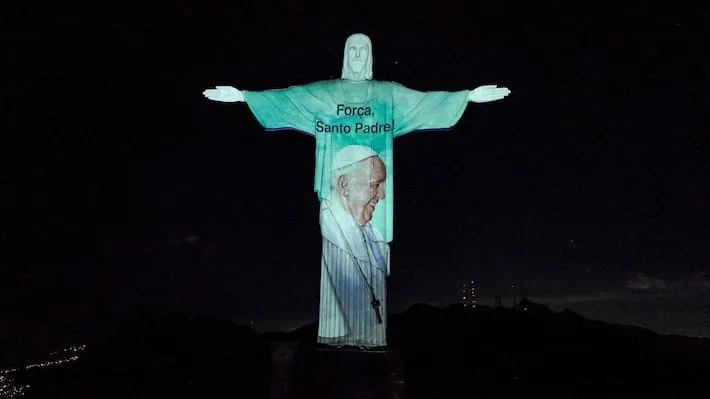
[
  {"x": 225, "y": 94},
  {"x": 289, "y": 108},
  {"x": 487, "y": 93}
]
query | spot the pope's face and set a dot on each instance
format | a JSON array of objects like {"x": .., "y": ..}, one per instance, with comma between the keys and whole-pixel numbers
[
  {"x": 358, "y": 52},
  {"x": 364, "y": 188}
]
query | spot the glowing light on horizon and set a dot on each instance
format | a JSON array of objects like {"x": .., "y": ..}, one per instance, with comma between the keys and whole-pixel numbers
[
  {"x": 8, "y": 390},
  {"x": 468, "y": 294}
]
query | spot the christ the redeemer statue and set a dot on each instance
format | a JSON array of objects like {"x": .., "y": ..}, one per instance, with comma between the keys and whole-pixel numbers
[{"x": 354, "y": 120}]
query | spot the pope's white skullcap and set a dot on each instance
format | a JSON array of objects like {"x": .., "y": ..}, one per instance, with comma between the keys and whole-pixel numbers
[{"x": 351, "y": 154}]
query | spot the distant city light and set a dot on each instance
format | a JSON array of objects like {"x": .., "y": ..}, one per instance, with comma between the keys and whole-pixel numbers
[
  {"x": 10, "y": 391},
  {"x": 468, "y": 294}
]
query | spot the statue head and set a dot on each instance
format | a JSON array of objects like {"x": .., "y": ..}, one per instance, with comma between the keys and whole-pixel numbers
[
  {"x": 358, "y": 180},
  {"x": 357, "y": 58}
]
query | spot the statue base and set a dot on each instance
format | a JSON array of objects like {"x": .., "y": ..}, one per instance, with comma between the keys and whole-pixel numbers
[{"x": 347, "y": 373}]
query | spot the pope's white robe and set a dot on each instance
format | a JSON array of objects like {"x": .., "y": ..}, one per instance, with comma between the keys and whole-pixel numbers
[{"x": 349, "y": 267}]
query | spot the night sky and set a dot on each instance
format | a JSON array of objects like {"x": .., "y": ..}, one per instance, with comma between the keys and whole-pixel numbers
[{"x": 123, "y": 188}]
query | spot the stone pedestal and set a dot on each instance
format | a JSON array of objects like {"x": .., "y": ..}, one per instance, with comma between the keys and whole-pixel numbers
[{"x": 330, "y": 373}]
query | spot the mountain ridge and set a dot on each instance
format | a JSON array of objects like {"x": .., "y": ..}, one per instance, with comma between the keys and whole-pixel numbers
[{"x": 452, "y": 351}]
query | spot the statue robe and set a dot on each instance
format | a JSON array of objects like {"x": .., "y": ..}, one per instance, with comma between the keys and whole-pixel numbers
[
  {"x": 350, "y": 275},
  {"x": 329, "y": 112}
]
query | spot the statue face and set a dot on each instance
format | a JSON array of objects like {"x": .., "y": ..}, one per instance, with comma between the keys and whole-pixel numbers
[
  {"x": 358, "y": 53},
  {"x": 364, "y": 188}
]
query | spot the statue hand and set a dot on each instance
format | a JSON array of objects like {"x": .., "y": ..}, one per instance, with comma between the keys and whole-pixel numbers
[
  {"x": 484, "y": 94},
  {"x": 227, "y": 94}
]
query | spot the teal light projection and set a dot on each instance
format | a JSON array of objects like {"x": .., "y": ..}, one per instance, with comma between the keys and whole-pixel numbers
[{"x": 354, "y": 121}]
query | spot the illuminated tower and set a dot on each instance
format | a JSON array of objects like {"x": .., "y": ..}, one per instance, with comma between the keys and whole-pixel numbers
[{"x": 468, "y": 294}]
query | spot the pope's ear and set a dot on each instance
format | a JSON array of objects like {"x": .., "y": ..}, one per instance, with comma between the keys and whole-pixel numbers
[{"x": 342, "y": 181}]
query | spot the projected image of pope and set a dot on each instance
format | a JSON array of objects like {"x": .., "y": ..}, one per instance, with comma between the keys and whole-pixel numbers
[
  {"x": 353, "y": 119},
  {"x": 355, "y": 255}
]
